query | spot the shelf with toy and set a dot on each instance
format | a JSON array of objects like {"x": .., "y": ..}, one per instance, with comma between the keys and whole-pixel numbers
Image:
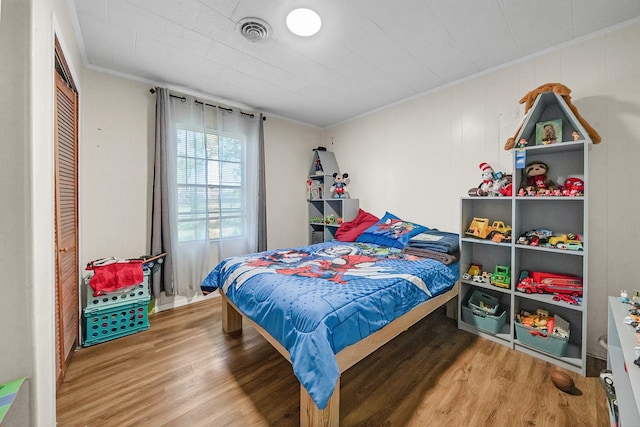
[
  {"x": 328, "y": 199},
  {"x": 486, "y": 311},
  {"x": 548, "y": 300},
  {"x": 550, "y": 175},
  {"x": 568, "y": 353},
  {"x": 538, "y": 213},
  {"x": 551, "y": 250}
]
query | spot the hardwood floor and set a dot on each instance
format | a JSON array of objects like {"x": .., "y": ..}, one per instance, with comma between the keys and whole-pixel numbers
[{"x": 184, "y": 371}]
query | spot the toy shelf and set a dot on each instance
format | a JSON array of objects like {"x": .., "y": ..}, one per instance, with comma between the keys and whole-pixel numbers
[
  {"x": 323, "y": 208},
  {"x": 558, "y": 214}
]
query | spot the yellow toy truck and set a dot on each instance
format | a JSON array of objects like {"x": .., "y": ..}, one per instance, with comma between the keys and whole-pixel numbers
[{"x": 481, "y": 229}]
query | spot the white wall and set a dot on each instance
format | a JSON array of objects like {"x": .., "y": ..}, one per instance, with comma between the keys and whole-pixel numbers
[
  {"x": 417, "y": 158},
  {"x": 115, "y": 166},
  {"x": 288, "y": 153}
]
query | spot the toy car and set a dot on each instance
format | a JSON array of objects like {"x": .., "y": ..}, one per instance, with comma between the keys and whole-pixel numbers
[
  {"x": 474, "y": 269},
  {"x": 501, "y": 276},
  {"x": 466, "y": 276},
  {"x": 574, "y": 245},
  {"x": 543, "y": 282},
  {"x": 479, "y": 279},
  {"x": 557, "y": 240},
  {"x": 566, "y": 298}
]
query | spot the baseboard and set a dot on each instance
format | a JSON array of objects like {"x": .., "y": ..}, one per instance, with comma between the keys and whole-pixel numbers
[{"x": 180, "y": 301}]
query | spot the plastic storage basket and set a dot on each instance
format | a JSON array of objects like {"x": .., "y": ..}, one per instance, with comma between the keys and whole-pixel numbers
[
  {"x": 474, "y": 314},
  {"x": 122, "y": 297},
  {"x": 540, "y": 340},
  {"x": 115, "y": 322}
]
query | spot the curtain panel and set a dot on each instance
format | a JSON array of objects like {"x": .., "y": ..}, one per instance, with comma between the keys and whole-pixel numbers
[{"x": 209, "y": 171}]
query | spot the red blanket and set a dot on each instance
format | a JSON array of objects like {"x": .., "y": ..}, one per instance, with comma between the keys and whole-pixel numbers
[{"x": 112, "y": 277}]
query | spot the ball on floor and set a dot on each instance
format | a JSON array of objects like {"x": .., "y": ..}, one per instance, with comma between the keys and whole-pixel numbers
[{"x": 562, "y": 381}]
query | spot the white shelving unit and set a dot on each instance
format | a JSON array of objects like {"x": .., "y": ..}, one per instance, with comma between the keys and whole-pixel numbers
[
  {"x": 620, "y": 356},
  {"x": 560, "y": 214},
  {"x": 321, "y": 203}
]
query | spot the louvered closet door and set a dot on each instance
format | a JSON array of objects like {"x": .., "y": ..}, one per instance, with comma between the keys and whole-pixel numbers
[{"x": 66, "y": 187}]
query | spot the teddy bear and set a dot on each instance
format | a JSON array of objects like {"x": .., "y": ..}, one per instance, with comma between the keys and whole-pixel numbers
[
  {"x": 564, "y": 92},
  {"x": 535, "y": 181},
  {"x": 339, "y": 185}
]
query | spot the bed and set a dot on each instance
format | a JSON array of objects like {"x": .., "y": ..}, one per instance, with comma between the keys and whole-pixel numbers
[{"x": 327, "y": 306}]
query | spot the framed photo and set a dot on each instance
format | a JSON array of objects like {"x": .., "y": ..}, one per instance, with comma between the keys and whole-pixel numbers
[{"x": 549, "y": 132}]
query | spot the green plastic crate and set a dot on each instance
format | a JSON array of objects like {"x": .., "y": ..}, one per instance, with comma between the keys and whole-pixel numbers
[
  {"x": 128, "y": 295},
  {"x": 99, "y": 326}
]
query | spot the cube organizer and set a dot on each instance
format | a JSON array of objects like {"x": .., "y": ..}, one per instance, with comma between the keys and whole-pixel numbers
[
  {"x": 110, "y": 323},
  {"x": 114, "y": 299},
  {"x": 473, "y": 314}
]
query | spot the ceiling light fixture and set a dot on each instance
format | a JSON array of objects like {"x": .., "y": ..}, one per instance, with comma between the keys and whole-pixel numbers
[{"x": 303, "y": 22}]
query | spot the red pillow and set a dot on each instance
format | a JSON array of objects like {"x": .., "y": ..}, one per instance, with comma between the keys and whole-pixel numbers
[{"x": 349, "y": 231}]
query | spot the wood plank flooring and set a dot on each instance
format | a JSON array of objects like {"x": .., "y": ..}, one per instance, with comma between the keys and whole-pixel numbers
[{"x": 184, "y": 371}]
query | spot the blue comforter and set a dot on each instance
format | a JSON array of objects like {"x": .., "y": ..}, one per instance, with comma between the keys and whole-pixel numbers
[{"x": 316, "y": 300}]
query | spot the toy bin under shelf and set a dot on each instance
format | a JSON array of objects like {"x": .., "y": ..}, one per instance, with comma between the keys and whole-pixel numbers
[
  {"x": 107, "y": 324},
  {"x": 540, "y": 340},
  {"x": 128, "y": 295},
  {"x": 474, "y": 314}
]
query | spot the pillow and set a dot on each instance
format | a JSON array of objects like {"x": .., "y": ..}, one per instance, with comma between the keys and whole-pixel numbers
[
  {"x": 391, "y": 231},
  {"x": 349, "y": 231}
]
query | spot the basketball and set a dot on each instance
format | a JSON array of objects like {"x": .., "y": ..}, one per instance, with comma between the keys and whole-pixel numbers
[{"x": 562, "y": 381}]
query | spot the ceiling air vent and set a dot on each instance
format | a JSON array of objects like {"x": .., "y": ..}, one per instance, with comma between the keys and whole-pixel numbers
[{"x": 254, "y": 29}]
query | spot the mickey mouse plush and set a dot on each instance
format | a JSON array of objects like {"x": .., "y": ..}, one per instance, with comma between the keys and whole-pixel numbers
[
  {"x": 534, "y": 179},
  {"x": 339, "y": 186}
]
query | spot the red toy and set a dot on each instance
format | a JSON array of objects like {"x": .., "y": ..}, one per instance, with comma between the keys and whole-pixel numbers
[
  {"x": 566, "y": 298},
  {"x": 541, "y": 282},
  {"x": 574, "y": 186}
]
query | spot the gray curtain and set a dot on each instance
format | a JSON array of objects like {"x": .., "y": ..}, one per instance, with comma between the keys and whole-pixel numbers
[
  {"x": 185, "y": 263},
  {"x": 262, "y": 196},
  {"x": 162, "y": 278}
]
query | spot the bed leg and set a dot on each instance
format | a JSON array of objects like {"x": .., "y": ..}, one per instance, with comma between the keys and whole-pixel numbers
[
  {"x": 231, "y": 319},
  {"x": 451, "y": 308},
  {"x": 311, "y": 416}
]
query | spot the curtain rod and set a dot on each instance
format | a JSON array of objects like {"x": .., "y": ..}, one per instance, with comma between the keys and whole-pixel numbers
[{"x": 230, "y": 110}]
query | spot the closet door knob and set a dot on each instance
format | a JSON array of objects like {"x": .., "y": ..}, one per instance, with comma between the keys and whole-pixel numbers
[{"x": 64, "y": 249}]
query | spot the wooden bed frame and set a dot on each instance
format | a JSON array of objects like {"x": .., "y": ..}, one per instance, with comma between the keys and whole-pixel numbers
[{"x": 310, "y": 414}]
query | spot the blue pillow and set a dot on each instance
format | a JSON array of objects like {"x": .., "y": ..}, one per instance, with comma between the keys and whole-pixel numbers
[{"x": 391, "y": 231}]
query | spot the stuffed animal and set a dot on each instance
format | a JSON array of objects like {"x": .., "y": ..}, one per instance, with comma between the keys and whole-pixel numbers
[
  {"x": 486, "y": 186},
  {"x": 535, "y": 181},
  {"x": 563, "y": 91},
  {"x": 339, "y": 186},
  {"x": 502, "y": 184}
]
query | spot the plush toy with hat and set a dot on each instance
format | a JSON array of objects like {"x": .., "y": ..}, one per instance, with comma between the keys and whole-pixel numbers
[
  {"x": 564, "y": 92},
  {"x": 486, "y": 186}
]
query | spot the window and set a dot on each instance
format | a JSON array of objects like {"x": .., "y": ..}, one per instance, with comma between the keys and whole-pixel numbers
[{"x": 211, "y": 185}]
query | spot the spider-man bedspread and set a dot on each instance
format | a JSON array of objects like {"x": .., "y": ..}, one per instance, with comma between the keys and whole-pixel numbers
[{"x": 316, "y": 300}]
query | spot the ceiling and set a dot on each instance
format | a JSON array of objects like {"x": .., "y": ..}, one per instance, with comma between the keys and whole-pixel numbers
[{"x": 368, "y": 54}]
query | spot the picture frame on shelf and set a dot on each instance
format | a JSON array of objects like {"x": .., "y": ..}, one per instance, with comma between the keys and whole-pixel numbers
[{"x": 549, "y": 132}]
